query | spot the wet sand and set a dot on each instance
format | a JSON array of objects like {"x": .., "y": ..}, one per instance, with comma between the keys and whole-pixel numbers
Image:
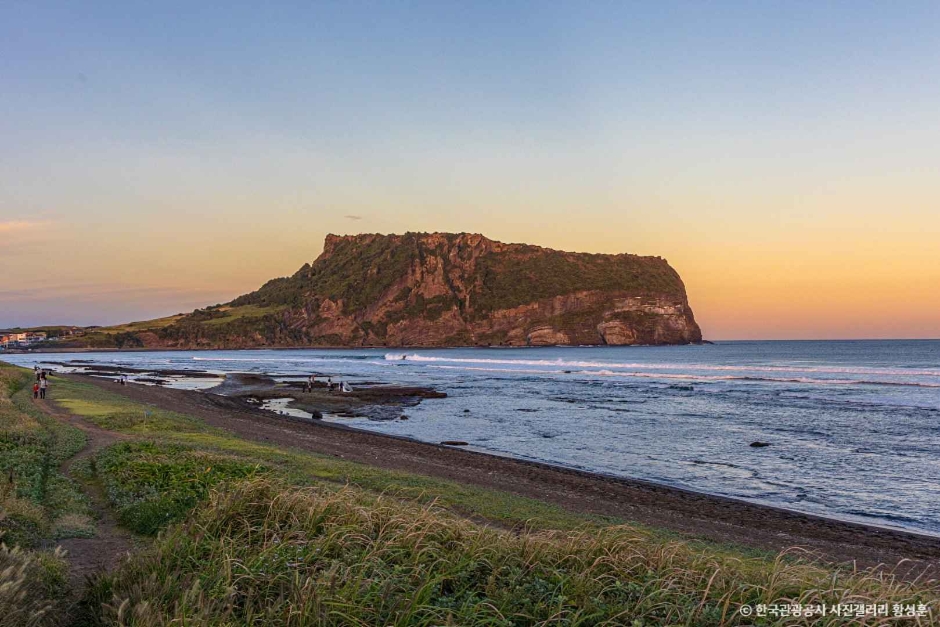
[{"x": 696, "y": 515}]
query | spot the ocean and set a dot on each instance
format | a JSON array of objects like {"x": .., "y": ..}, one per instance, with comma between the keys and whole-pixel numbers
[{"x": 852, "y": 427}]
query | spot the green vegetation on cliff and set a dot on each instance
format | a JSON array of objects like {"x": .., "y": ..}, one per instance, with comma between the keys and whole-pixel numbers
[
  {"x": 359, "y": 270},
  {"x": 507, "y": 281},
  {"x": 437, "y": 289},
  {"x": 355, "y": 271}
]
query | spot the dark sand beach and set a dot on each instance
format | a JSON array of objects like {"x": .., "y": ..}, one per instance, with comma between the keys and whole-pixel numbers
[{"x": 713, "y": 518}]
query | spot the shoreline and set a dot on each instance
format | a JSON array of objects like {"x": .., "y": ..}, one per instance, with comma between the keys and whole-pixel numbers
[
  {"x": 79, "y": 350},
  {"x": 697, "y": 514}
]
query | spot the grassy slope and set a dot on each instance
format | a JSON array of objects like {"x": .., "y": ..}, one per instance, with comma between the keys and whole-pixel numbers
[
  {"x": 143, "y": 325},
  {"x": 173, "y": 440},
  {"x": 36, "y": 503},
  {"x": 255, "y": 534},
  {"x": 260, "y": 553},
  {"x": 287, "y": 538},
  {"x": 231, "y": 314}
]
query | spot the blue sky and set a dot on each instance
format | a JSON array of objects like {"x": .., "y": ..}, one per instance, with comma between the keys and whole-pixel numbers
[{"x": 783, "y": 156}]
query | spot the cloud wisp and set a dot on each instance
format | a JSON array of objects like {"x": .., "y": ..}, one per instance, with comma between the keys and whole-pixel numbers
[{"x": 11, "y": 226}]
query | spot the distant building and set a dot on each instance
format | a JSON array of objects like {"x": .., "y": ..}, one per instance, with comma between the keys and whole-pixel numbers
[
  {"x": 12, "y": 340},
  {"x": 22, "y": 340}
]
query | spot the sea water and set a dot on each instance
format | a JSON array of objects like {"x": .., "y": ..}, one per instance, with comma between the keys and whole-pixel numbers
[{"x": 853, "y": 427}]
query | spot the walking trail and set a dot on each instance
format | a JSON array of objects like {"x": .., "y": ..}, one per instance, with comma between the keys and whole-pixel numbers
[{"x": 104, "y": 550}]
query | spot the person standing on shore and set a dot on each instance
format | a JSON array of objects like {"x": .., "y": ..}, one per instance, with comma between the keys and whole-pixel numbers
[{"x": 43, "y": 385}]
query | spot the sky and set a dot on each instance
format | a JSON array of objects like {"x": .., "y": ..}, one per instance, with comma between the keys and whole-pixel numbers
[{"x": 784, "y": 157}]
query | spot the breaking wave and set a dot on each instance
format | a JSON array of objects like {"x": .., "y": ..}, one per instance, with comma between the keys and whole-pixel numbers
[
  {"x": 688, "y": 377},
  {"x": 611, "y": 368}
]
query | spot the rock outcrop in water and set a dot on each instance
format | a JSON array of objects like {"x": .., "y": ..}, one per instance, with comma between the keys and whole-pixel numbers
[{"x": 443, "y": 289}]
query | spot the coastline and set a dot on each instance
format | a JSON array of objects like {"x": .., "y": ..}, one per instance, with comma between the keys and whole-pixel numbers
[
  {"x": 709, "y": 517},
  {"x": 78, "y": 351}
]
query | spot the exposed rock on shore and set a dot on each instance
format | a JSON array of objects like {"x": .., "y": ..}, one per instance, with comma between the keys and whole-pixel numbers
[{"x": 377, "y": 402}]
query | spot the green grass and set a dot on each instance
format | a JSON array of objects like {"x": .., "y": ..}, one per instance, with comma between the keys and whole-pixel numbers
[
  {"x": 37, "y": 501},
  {"x": 245, "y": 311},
  {"x": 143, "y": 325},
  {"x": 114, "y": 412},
  {"x": 152, "y": 485},
  {"x": 252, "y": 534},
  {"x": 262, "y": 553}
]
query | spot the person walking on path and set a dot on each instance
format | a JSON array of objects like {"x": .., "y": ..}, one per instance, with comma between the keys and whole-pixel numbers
[
  {"x": 43, "y": 385},
  {"x": 36, "y": 389}
]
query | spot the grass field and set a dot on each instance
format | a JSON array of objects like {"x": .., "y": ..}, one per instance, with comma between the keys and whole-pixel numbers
[
  {"x": 244, "y": 311},
  {"x": 250, "y": 534},
  {"x": 169, "y": 429},
  {"x": 143, "y": 325},
  {"x": 37, "y": 503}
]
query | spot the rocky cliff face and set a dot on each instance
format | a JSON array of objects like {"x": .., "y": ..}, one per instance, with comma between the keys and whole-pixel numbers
[{"x": 450, "y": 289}]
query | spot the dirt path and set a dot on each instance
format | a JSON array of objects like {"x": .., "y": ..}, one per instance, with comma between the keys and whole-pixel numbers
[
  {"x": 698, "y": 515},
  {"x": 110, "y": 543}
]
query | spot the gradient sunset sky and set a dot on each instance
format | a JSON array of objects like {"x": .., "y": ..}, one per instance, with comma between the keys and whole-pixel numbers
[{"x": 784, "y": 157}]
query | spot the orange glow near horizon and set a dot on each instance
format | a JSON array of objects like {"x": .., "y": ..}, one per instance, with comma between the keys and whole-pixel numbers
[
  {"x": 832, "y": 281},
  {"x": 782, "y": 156}
]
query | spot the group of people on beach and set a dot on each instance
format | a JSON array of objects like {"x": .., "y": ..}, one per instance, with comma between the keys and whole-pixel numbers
[
  {"x": 41, "y": 384},
  {"x": 340, "y": 386}
]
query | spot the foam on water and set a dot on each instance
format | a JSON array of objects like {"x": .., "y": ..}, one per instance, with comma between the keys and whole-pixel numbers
[{"x": 562, "y": 363}]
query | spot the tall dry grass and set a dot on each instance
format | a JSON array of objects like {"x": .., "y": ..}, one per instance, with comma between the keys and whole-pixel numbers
[
  {"x": 262, "y": 554},
  {"x": 32, "y": 588}
]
